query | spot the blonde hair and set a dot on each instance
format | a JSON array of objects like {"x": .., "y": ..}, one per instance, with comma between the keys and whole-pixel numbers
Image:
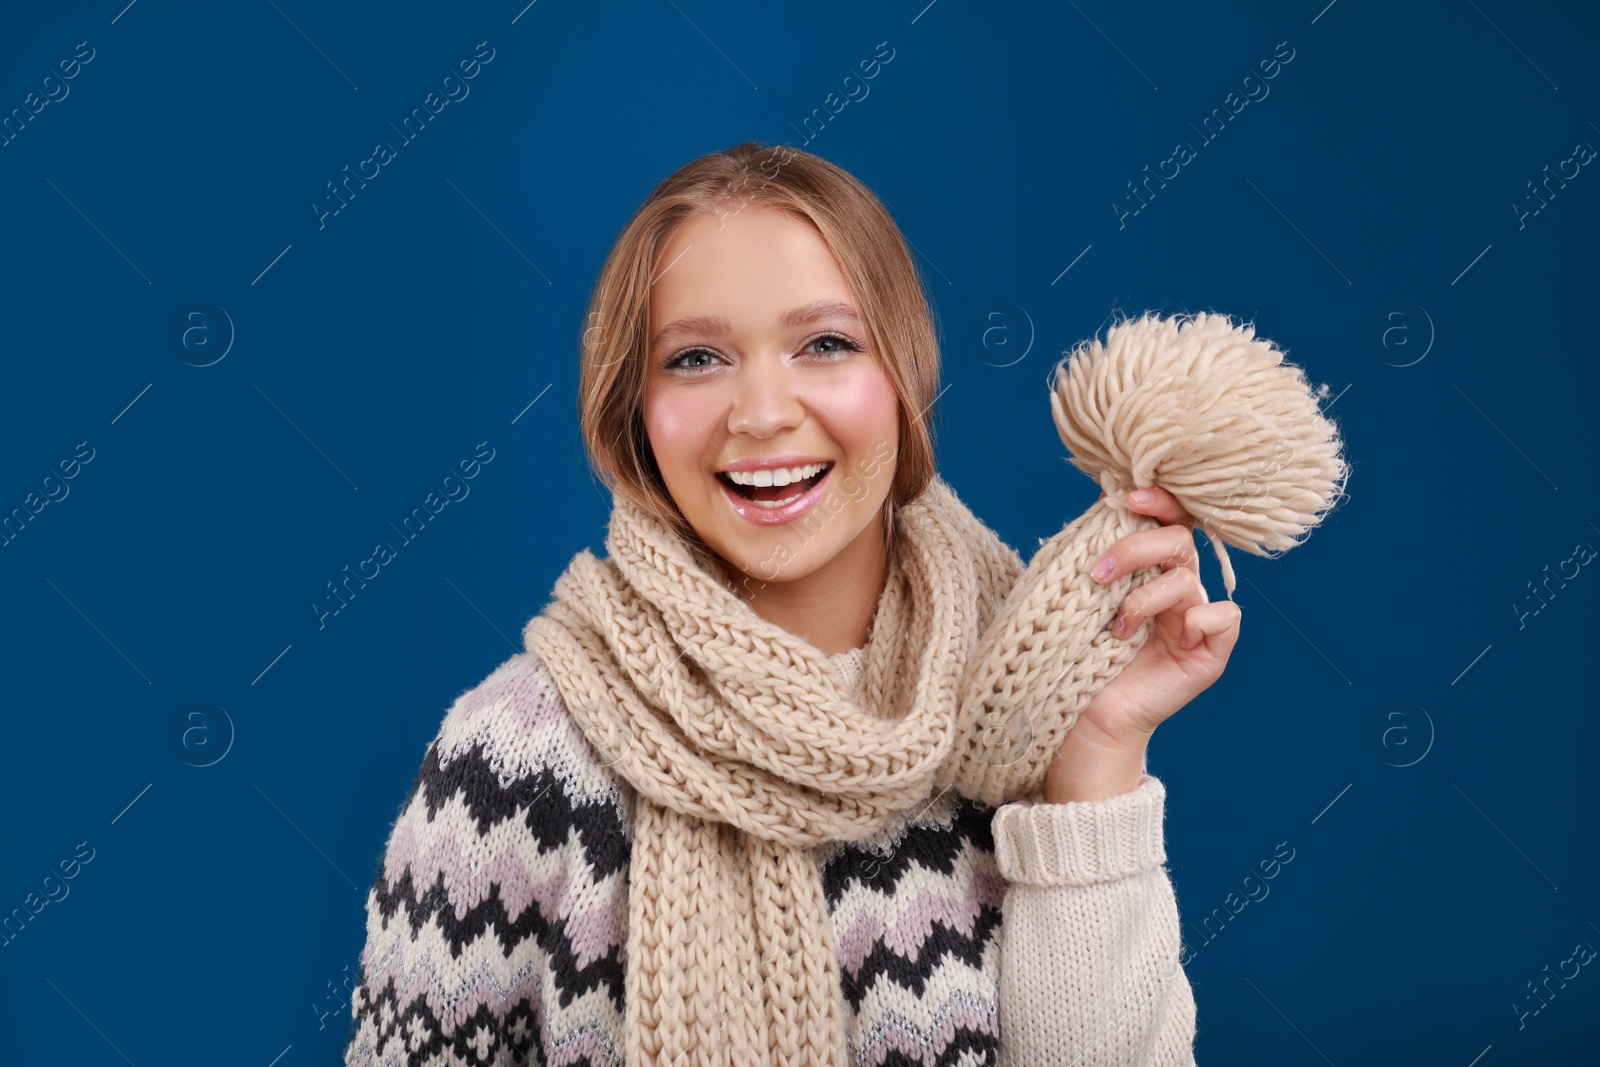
[{"x": 871, "y": 253}]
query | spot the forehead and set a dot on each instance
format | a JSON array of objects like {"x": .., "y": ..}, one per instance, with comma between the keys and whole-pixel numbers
[{"x": 752, "y": 265}]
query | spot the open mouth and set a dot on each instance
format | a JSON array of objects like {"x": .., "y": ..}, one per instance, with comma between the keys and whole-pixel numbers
[{"x": 775, "y": 496}]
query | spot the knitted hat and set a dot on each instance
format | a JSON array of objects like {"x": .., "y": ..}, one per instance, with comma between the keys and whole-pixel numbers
[{"x": 1198, "y": 406}]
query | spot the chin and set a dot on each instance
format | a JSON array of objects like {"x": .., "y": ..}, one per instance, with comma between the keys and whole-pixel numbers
[{"x": 775, "y": 558}]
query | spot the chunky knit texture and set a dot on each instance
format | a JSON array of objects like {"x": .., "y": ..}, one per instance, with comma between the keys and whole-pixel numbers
[
  {"x": 745, "y": 751},
  {"x": 1023, "y": 936}
]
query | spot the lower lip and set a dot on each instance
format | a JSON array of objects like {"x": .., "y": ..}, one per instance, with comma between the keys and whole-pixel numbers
[{"x": 760, "y": 516}]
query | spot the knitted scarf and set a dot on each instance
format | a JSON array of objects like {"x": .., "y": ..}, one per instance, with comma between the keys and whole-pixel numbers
[{"x": 744, "y": 750}]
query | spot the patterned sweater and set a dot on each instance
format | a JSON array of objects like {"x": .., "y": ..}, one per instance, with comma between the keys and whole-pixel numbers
[{"x": 1029, "y": 935}]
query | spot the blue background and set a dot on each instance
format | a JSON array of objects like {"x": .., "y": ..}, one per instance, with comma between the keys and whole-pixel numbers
[{"x": 1395, "y": 714}]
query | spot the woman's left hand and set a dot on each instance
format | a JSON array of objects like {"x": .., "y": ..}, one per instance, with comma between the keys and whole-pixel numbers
[{"x": 1187, "y": 649}]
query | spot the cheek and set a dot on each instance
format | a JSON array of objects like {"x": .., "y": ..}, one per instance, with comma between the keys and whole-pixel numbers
[
  {"x": 678, "y": 428},
  {"x": 863, "y": 410}
]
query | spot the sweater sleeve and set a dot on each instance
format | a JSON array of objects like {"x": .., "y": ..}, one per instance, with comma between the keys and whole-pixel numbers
[
  {"x": 491, "y": 924},
  {"x": 1090, "y": 970}
]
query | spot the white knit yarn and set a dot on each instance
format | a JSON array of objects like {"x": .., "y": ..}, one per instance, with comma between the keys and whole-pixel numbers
[{"x": 849, "y": 663}]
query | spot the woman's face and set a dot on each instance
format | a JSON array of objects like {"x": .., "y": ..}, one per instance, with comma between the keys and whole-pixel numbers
[{"x": 758, "y": 365}]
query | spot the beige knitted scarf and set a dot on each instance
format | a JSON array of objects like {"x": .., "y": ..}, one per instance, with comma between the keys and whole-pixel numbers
[{"x": 743, "y": 748}]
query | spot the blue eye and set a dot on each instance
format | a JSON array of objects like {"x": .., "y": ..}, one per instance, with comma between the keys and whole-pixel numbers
[
  {"x": 674, "y": 362},
  {"x": 679, "y": 360},
  {"x": 848, "y": 344}
]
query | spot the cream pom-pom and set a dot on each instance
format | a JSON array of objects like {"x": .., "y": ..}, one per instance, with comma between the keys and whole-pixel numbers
[
  {"x": 1211, "y": 413},
  {"x": 1196, "y": 405}
]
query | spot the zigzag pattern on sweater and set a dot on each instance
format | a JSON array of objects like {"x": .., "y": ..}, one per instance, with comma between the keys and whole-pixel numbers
[{"x": 497, "y": 918}]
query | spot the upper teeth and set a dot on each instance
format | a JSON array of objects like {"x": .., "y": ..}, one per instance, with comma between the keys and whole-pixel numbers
[{"x": 777, "y": 476}]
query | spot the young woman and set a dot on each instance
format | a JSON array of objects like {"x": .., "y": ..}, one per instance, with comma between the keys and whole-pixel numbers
[{"x": 700, "y": 820}]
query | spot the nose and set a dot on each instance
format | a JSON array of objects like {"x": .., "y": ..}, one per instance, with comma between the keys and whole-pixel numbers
[{"x": 765, "y": 401}]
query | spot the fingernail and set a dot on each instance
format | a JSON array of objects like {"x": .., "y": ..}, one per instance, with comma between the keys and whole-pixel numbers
[
  {"x": 1140, "y": 496},
  {"x": 1119, "y": 625},
  {"x": 1103, "y": 568}
]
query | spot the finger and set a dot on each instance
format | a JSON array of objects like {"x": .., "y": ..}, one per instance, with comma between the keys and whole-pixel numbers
[
  {"x": 1160, "y": 504},
  {"x": 1176, "y": 591},
  {"x": 1167, "y": 547},
  {"x": 1216, "y": 624}
]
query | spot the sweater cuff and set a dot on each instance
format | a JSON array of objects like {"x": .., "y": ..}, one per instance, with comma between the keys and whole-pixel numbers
[{"x": 1082, "y": 842}]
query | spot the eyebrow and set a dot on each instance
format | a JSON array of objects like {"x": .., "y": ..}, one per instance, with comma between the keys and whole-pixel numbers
[{"x": 718, "y": 326}]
